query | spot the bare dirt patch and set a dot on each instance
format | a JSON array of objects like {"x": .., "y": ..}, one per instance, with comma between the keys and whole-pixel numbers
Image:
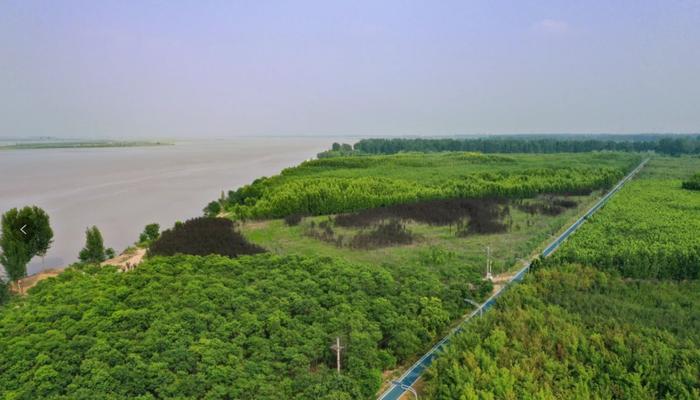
[
  {"x": 127, "y": 260},
  {"x": 28, "y": 282}
]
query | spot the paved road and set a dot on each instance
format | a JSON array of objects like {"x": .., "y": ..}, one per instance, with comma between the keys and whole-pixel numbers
[{"x": 394, "y": 392}]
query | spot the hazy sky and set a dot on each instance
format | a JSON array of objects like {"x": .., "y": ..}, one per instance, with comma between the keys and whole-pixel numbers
[{"x": 210, "y": 68}]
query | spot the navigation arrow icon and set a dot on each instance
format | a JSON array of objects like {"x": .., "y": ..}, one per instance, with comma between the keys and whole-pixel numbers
[{"x": 22, "y": 229}]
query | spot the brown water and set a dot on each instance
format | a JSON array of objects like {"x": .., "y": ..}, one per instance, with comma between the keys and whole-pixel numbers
[{"x": 122, "y": 189}]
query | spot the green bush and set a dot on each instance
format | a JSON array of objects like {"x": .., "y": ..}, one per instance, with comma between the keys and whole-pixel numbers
[{"x": 693, "y": 183}]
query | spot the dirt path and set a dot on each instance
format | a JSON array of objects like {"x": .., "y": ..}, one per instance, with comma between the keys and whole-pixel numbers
[
  {"x": 503, "y": 278},
  {"x": 125, "y": 261},
  {"x": 22, "y": 285},
  {"x": 500, "y": 280}
]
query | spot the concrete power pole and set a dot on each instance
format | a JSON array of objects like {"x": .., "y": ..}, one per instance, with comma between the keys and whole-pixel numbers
[
  {"x": 489, "y": 274},
  {"x": 337, "y": 348}
]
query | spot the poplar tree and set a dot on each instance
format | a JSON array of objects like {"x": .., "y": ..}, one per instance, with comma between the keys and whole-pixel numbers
[
  {"x": 94, "y": 250},
  {"x": 26, "y": 233}
]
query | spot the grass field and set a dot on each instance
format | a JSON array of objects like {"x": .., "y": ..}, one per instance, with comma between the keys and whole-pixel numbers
[{"x": 436, "y": 248}]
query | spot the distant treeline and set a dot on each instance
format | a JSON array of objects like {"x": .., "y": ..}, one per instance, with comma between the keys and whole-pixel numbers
[{"x": 672, "y": 145}]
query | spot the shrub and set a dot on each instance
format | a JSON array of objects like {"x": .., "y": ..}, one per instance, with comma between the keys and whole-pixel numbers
[
  {"x": 202, "y": 236},
  {"x": 293, "y": 219},
  {"x": 548, "y": 205},
  {"x": 150, "y": 233},
  {"x": 387, "y": 234},
  {"x": 212, "y": 209},
  {"x": 693, "y": 183}
]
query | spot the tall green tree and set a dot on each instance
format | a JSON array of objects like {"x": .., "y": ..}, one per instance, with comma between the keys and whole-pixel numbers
[
  {"x": 212, "y": 209},
  {"x": 94, "y": 250},
  {"x": 26, "y": 233},
  {"x": 150, "y": 233}
]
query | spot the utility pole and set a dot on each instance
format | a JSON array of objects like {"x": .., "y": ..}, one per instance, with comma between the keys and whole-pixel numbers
[
  {"x": 489, "y": 275},
  {"x": 337, "y": 348}
]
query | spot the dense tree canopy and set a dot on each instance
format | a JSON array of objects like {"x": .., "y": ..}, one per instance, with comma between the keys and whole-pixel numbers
[
  {"x": 577, "y": 333},
  {"x": 648, "y": 230},
  {"x": 573, "y": 331},
  {"x": 255, "y": 327},
  {"x": 342, "y": 184}
]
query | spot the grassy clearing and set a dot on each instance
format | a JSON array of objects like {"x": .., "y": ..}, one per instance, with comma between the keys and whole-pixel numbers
[{"x": 436, "y": 248}]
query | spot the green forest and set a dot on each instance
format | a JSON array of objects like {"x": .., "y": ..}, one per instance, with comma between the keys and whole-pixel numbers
[
  {"x": 648, "y": 230},
  {"x": 257, "y": 327},
  {"x": 342, "y": 184},
  {"x": 614, "y": 314},
  {"x": 573, "y": 332},
  {"x": 384, "y": 253}
]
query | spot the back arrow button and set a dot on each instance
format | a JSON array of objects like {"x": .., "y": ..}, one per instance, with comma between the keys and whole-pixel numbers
[{"x": 22, "y": 229}]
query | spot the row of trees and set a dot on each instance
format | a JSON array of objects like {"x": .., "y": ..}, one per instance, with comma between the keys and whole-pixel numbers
[
  {"x": 338, "y": 150},
  {"x": 674, "y": 145},
  {"x": 577, "y": 333},
  {"x": 254, "y": 327}
]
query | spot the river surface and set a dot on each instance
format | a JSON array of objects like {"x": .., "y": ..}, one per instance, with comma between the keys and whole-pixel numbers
[{"x": 122, "y": 189}]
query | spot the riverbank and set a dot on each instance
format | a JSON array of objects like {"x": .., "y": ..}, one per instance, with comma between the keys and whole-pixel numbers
[
  {"x": 120, "y": 190},
  {"x": 82, "y": 144}
]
